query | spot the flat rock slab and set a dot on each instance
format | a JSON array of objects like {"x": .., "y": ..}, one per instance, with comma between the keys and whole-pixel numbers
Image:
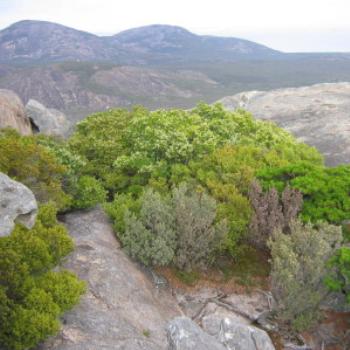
[
  {"x": 318, "y": 115},
  {"x": 121, "y": 309}
]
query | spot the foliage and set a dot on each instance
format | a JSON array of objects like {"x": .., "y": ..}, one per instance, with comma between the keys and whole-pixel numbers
[
  {"x": 208, "y": 147},
  {"x": 23, "y": 159},
  {"x": 339, "y": 280},
  {"x": 32, "y": 297},
  {"x": 198, "y": 236},
  {"x": 150, "y": 237},
  {"x": 325, "y": 190},
  {"x": 299, "y": 267},
  {"x": 88, "y": 192},
  {"x": 270, "y": 212},
  {"x": 85, "y": 190},
  {"x": 181, "y": 230}
]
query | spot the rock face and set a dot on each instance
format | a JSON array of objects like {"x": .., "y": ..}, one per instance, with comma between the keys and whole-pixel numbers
[
  {"x": 47, "y": 120},
  {"x": 184, "y": 334},
  {"x": 12, "y": 113},
  {"x": 121, "y": 309},
  {"x": 318, "y": 115},
  {"x": 17, "y": 204}
]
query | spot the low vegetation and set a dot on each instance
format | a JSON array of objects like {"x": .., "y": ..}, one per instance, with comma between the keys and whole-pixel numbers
[
  {"x": 32, "y": 295},
  {"x": 187, "y": 189}
]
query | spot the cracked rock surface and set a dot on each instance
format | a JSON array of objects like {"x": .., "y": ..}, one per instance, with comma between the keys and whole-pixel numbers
[{"x": 121, "y": 309}]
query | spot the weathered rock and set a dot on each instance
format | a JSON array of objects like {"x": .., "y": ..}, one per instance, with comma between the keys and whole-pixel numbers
[
  {"x": 48, "y": 120},
  {"x": 184, "y": 334},
  {"x": 122, "y": 309},
  {"x": 17, "y": 204},
  {"x": 12, "y": 113},
  {"x": 318, "y": 115},
  {"x": 239, "y": 336}
]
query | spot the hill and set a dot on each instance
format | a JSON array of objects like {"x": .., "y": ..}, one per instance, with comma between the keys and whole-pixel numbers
[{"x": 39, "y": 41}]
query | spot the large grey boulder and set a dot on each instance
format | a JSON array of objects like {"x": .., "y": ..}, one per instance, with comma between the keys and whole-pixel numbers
[
  {"x": 12, "y": 113},
  {"x": 122, "y": 308},
  {"x": 318, "y": 115},
  {"x": 17, "y": 204},
  {"x": 238, "y": 336},
  {"x": 184, "y": 334},
  {"x": 48, "y": 120}
]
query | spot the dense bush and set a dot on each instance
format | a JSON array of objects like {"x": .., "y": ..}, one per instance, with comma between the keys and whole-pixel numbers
[
  {"x": 339, "y": 279},
  {"x": 32, "y": 296},
  {"x": 299, "y": 268},
  {"x": 23, "y": 159},
  {"x": 325, "y": 190},
  {"x": 197, "y": 233},
  {"x": 86, "y": 191},
  {"x": 207, "y": 147},
  {"x": 150, "y": 236},
  {"x": 181, "y": 229}
]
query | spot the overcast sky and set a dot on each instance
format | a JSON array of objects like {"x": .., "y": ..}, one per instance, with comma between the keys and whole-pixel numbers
[{"x": 287, "y": 25}]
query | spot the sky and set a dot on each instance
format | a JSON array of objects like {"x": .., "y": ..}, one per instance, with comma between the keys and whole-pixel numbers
[{"x": 286, "y": 25}]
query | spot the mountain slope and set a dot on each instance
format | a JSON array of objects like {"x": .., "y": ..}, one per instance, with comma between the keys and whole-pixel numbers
[
  {"x": 39, "y": 41},
  {"x": 157, "y": 42}
]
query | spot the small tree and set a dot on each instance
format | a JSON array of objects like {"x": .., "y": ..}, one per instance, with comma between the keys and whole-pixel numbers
[
  {"x": 299, "y": 262},
  {"x": 197, "y": 233},
  {"x": 272, "y": 212}
]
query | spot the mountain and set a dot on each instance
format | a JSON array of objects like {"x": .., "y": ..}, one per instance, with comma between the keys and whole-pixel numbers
[
  {"x": 157, "y": 43},
  {"x": 40, "y": 41},
  {"x": 318, "y": 115}
]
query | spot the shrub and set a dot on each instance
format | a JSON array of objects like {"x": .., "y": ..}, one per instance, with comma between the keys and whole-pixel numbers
[
  {"x": 270, "y": 212},
  {"x": 325, "y": 190},
  {"x": 87, "y": 192},
  {"x": 150, "y": 237},
  {"x": 298, "y": 271},
  {"x": 339, "y": 279},
  {"x": 32, "y": 297},
  {"x": 198, "y": 236},
  {"x": 22, "y": 158}
]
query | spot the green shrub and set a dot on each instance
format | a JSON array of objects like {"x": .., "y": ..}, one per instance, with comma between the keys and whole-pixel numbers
[
  {"x": 150, "y": 237},
  {"x": 88, "y": 192},
  {"x": 32, "y": 297},
  {"x": 299, "y": 267},
  {"x": 339, "y": 279},
  {"x": 24, "y": 159},
  {"x": 325, "y": 190},
  {"x": 198, "y": 236}
]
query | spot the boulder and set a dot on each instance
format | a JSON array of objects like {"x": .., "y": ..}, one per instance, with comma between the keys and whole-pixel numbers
[
  {"x": 122, "y": 308},
  {"x": 17, "y": 204},
  {"x": 12, "y": 113},
  {"x": 47, "y": 120},
  {"x": 184, "y": 334},
  {"x": 238, "y": 336},
  {"x": 318, "y": 115}
]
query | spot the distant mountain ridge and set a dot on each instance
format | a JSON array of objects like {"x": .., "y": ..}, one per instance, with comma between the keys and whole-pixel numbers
[{"x": 39, "y": 41}]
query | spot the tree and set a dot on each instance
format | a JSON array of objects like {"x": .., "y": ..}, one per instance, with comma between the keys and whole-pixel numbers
[{"x": 299, "y": 267}]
